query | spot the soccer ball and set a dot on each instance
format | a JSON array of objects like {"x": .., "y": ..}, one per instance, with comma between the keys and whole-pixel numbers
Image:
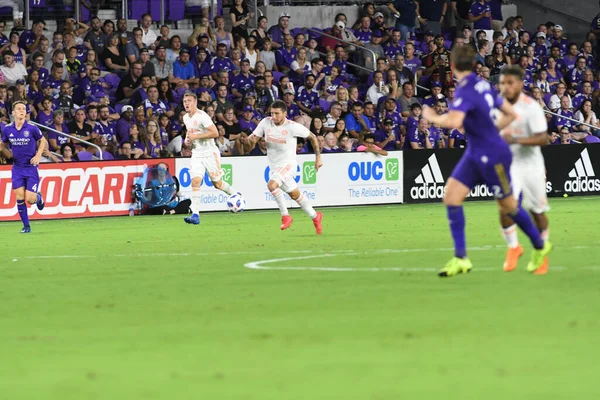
[{"x": 236, "y": 203}]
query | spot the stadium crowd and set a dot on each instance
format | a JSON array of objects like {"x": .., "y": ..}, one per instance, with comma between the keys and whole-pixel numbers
[{"x": 122, "y": 90}]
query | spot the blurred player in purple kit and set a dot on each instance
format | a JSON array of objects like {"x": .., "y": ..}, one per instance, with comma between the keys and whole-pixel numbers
[
  {"x": 487, "y": 159},
  {"x": 27, "y": 145}
]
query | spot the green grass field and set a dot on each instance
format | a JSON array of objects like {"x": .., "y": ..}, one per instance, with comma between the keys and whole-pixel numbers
[{"x": 150, "y": 308}]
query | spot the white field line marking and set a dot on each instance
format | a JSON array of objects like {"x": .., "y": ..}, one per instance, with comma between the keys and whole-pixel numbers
[
  {"x": 260, "y": 265},
  {"x": 226, "y": 253}
]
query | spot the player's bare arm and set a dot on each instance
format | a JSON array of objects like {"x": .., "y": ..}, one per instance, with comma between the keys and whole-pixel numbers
[
  {"x": 539, "y": 139},
  {"x": 251, "y": 140},
  {"x": 315, "y": 145},
  {"x": 508, "y": 115},
  {"x": 42, "y": 143},
  {"x": 451, "y": 120}
]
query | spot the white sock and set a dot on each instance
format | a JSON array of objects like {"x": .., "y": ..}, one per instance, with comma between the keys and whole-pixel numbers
[
  {"x": 226, "y": 188},
  {"x": 280, "y": 200},
  {"x": 545, "y": 234},
  {"x": 510, "y": 236},
  {"x": 305, "y": 204},
  {"x": 195, "y": 197}
]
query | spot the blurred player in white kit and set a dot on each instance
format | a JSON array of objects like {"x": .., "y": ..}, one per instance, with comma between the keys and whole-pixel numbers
[
  {"x": 525, "y": 135},
  {"x": 201, "y": 133},
  {"x": 280, "y": 135}
]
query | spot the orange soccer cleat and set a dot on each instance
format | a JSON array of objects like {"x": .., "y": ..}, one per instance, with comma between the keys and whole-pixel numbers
[
  {"x": 286, "y": 221},
  {"x": 317, "y": 221},
  {"x": 512, "y": 258},
  {"x": 543, "y": 269}
]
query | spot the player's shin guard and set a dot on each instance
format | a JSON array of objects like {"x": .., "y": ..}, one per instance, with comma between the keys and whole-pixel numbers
[
  {"x": 456, "y": 219},
  {"x": 510, "y": 236},
  {"x": 226, "y": 188},
  {"x": 22, "y": 207},
  {"x": 195, "y": 197},
  {"x": 523, "y": 220},
  {"x": 280, "y": 200},
  {"x": 305, "y": 204}
]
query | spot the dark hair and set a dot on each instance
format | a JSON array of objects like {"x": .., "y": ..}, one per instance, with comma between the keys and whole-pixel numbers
[
  {"x": 65, "y": 145},
  {"x": 280, "y": 105},
  {"x": 463, "y": 58},
  {"x": 168, "y": 95},
  {"x": 514, "y": 70},
  {"x": 368, "y": 136}
]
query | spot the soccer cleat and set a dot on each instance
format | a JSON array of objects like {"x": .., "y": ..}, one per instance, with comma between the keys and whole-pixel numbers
[
  {"x": 543, "y": 269},
  {"x": 456, "y": 266},
  {"x": 40, "y": 202},
  {"x": 26, "y": 229},
  {"x": 286, "y": 221},
  {"x": 194, "y": 219},
  {"x": 538, "y": 257},
  {"x": 317, "y": 222},
  {"x": 512, "y": 258}
]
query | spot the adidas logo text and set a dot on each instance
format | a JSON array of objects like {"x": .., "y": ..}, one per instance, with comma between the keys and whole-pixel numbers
[{"x": 581, "y": 176}]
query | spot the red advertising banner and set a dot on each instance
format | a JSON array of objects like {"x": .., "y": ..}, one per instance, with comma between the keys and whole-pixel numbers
[{"x": 79, "y": 189}]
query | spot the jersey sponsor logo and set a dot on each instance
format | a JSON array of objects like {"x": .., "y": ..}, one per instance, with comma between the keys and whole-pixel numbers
[
  {"x": 582, "y": 176},
  {"x": 430, "y": 183},
  {"x": 374, "y": 170}
]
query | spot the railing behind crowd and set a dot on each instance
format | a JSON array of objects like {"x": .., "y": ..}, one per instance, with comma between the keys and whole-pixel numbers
[{"x": 69, "y": 136}]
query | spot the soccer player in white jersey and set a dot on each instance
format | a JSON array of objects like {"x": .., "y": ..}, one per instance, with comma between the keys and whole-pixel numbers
[
  {"x": 280, "y": 135},
  {"x": 201, "y": 133},
  {"x": 525, "y": 135}
]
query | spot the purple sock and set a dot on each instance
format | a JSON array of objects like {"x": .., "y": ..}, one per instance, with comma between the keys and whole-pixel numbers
[
  {"x": 524, "y": 222},
  {"x": 456, "y": 219},
  {"x": 22, "y": 207}
]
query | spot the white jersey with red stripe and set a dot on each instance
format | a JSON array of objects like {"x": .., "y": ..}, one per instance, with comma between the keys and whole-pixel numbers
[
  {"x": 281, "y": 140},
  {"x": 530, "y": 121},
  {"x": 199, "y": 123}
]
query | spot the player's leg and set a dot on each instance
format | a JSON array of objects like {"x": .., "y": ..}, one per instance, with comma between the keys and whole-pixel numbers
[
  {"x": 463, "y": 178},
  {"x": 274, "y": 187},
  {"x": 22, "y": 207},
  {"x": 499, "y": 180},
  {"x": 215, "y": 172},
  {"x": 509, "y": 228},
  {"x": 304, "y": 203},
  {"x": 537, "y": 204},
  {"x": 197, "y": 174}
]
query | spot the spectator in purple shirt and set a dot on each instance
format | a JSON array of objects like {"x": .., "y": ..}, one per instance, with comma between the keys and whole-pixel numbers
[
  {"x": 387, "y": 137},
  {"x": 558, "y": 121},
  {"x": 308, "y": 97},
  {"x": 56, "y": 140},
  {"x": 242, "y": 82},
  {"x": 246, "y": 122},
  {"x": 221, "y": 62},
  {"x": 278, "y": 32},
  {"x": 30, "y": 39},
  {"x": 286, "y": 54},
  {"x": 124, "y": 124},
  {"x": 576, "y": 74}
]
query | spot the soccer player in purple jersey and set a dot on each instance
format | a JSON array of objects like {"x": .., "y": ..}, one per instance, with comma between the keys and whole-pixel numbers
[
  {"x": 27, "y": 145},
  {"x": 487, "y": 159}
]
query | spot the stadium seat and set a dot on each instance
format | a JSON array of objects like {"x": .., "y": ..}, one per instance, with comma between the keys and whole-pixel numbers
[
  {"x": 324, "y": 104},
  {"x": 175, "y": 10},
  {"x": 6, "y": 12},
  {"x": 277, "y": 76},
  {"x": 137, "y": 8},
  {"x": 155, "y": 9}
]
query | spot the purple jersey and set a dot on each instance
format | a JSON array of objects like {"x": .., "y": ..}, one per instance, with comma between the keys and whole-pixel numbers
[
  {"x": 434, "y": 136},
  {"x": 342, "y": 65},
  {"x": 221, "y": 64},
  {"x": 488, "y": 157},
  {"x": 381, "y": 135},
  {"x": 308, "y": 98},
  {"x": 478, "y": 9},
  {"x": 42, "y": 72},
  {"x": 45, "y": 119},
  {"x": 412, "y": 64},
  {"x": 138, "y": 145},
  {"x": 293, "y": 111},
  {"x": 154, "y": 150},
  {"x": 164, "y": 137},
  {"x": 411, "y": 123},
  {"x": 568, "y": 64},
  {"x": 390, "y": 50},
  {"x": 562, "y": 43},
  {"x": 60, "y": 139},
  {"x": 363, "y": 36},
  {"x": 23, "y": 142},
  {"x": 247, "y": 126},
  {"x": 459, "y": 138},
  {"x": 242, "y": 83},
  {"x": 109, "y": 131},
  {"x": 156, "y": 109},
  {"x": 285, "y": 57}
]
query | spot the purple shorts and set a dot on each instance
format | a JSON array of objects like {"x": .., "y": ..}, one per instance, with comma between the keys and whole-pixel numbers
[
  {"x": 27, "y": 177},
  {"x": 493, "y": 170}
]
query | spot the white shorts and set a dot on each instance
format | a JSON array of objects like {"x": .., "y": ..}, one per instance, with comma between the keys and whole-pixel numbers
[
  {"x": 210, "y": 164},
  {"x": 285, "y": 176},
  {"x": 531, "y": 182}
]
